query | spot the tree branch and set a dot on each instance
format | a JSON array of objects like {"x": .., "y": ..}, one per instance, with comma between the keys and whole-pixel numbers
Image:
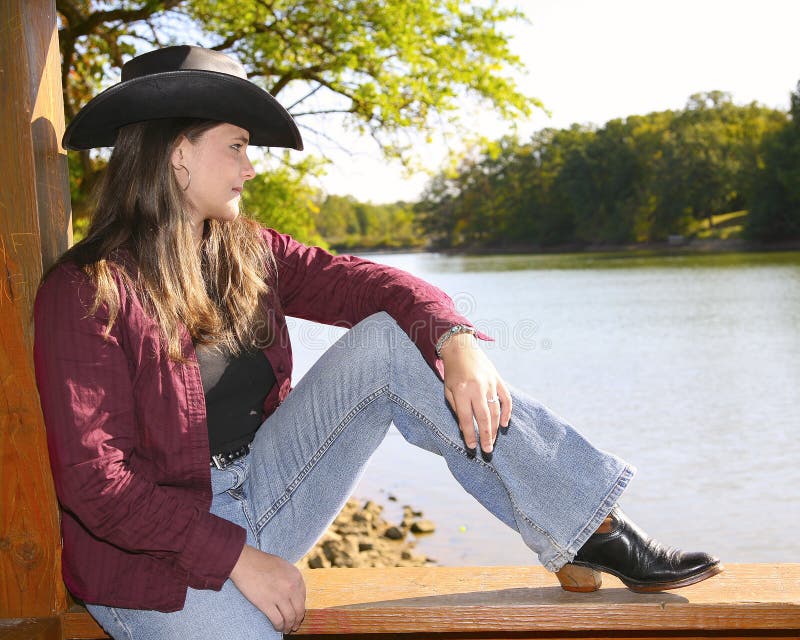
[
  {"x": 85, "y": 25},
  {"x": 304, "y": 98},
  {"x": 324, "y": 111},
  {"x": 335, "y": 142}
]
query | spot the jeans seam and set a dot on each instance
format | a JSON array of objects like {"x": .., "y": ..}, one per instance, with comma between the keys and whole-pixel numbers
[
  {"x": 298, "y": 479},
  {"x": 409, "y": 408},
  {"x": 120, "y": 622},
  {"x": 237, "y": 494}
]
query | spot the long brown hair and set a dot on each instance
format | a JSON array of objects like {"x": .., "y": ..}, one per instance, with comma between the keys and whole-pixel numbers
[{"x": 141, "y": 212}]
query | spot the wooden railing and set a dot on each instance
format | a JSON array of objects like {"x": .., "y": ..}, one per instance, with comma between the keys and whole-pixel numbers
[
  {"x": 512, "y": 602},
  {"x": 746, "y": 601}
]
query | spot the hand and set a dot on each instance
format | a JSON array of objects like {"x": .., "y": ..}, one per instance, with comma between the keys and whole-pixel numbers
[
  {"x": 273, "y": 585},
  {"x": 470, "y": 380}
]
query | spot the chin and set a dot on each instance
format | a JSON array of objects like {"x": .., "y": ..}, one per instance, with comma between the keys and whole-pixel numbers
[{"x": 226, "y": 216}]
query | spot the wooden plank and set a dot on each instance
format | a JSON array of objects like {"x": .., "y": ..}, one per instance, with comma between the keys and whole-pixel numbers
[
  {"x": 30, "y": 577},
  {"x": 747, "y": 601},
  {"x": 505, "y": 599},
  {"x": 47, "y": 128},
  {"x": 30, "y": 629},
  {"x": 549, "y": 635},
  {"x": 77, "y": 623}
]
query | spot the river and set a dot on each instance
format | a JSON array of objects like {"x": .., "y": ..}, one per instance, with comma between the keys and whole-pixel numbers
[{"x": 686, "y": 365}]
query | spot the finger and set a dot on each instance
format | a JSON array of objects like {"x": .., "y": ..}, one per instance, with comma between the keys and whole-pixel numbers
[
  {"x": 275, "y": 617},
  {"x": 464, "y": 414},
  {"x": 288, "y": 613},
  {"x": 505, "y": 403},
  {"x": 483, "y": 417},
  {"x": 299, "y": 605},
  {"x": 494, "y": 412},
  {"x": 450, "y": 399}
]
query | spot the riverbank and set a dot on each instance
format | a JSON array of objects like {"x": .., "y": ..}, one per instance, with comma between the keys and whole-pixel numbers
[
  {"x": 676, "y": 246},
  {"x": 361, "y": 537}
]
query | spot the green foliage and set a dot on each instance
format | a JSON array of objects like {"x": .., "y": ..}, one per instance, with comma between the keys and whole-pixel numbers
[
  {"x": 282, "y": 199},
  {"x": 387, "y": 68},
  {"x": 347, "y": 224},
  {"x": 642, "y": 178},
  {"x": 775, "y": 200}
]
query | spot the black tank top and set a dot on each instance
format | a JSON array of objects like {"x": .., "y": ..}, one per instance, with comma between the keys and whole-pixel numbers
[{"x": 235, "y": 389}]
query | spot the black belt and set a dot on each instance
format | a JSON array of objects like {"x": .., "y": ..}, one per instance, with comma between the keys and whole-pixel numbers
[{"x": 222, "y": 460}]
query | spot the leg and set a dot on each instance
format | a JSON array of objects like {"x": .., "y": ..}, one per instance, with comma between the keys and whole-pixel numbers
[
  {"x": 543, "y": 479},
  {"x": 207, "y": 615}
]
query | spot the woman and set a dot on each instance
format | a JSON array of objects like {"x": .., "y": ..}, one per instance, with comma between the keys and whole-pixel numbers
[{"x": 190, "y": 474}]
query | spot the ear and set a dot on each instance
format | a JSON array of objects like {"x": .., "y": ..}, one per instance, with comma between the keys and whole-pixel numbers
[{"x": 180, "y": 153}]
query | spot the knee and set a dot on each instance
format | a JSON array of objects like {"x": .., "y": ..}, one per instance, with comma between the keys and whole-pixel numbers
[
  {"x": 377, "y": 336},
  {"x": 377, "y": 330}
]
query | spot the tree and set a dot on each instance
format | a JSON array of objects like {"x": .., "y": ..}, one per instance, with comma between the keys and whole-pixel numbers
[
  {"x": 282, "y": 199},
  {"x": 775, "y": 198},
  {"x": 386, "y": 68},
  {"x": 636, "y": 179}
]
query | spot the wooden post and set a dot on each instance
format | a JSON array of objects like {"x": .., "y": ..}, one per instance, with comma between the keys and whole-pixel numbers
[{"x": 33, "y": 188}]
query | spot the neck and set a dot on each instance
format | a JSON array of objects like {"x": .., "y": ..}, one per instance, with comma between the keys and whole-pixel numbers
[{"x": 198, "y": 226}]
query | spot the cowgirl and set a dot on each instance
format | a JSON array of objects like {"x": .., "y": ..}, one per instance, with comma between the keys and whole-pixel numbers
[{"x": 191, "y": 476}]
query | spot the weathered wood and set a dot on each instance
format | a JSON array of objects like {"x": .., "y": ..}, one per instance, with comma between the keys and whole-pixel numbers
[
  {"x": 578, "y": 635},
  {"x": 30, "y": 582},
  {"x": 746, "y": 601},
  {"x": 77, "y": 623},
  {"x": 30, "y": 629},
  {"x": 47, "y": 127},
  {"x": 489, "y": 600}
]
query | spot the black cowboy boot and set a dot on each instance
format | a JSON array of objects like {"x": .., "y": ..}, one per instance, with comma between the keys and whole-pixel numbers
[{"x": 641, "y": 563}]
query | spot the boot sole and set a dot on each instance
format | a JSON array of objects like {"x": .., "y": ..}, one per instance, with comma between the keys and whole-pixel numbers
[{"x": 584, "y": 578}]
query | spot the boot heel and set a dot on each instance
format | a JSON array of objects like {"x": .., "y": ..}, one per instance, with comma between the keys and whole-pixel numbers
[{"x": 579, "y": 579}]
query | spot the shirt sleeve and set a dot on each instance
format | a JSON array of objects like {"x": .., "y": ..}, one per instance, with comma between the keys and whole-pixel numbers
[
  {"x": 315, "y": 285},
  {"x": 87, "y": 397}
]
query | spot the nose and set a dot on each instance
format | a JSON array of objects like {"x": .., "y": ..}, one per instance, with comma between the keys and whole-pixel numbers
[{"x": 248, "y": 171}]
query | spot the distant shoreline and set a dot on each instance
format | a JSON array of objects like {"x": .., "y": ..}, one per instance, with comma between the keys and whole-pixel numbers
[{"x": 643, "y": 248}]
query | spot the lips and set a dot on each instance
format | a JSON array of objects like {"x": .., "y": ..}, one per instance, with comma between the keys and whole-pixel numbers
[{"x": 237, "y": 190}]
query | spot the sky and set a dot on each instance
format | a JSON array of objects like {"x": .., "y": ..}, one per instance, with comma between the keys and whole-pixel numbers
[{"x": 590, "y": 61}]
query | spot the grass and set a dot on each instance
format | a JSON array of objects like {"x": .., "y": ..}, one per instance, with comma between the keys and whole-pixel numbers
[{"x": 725, "y": 226}]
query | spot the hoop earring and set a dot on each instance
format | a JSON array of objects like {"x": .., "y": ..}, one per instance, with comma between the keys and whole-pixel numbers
[{"x": 180, "y": 166}]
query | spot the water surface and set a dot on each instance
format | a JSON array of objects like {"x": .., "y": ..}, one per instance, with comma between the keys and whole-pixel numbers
[{"x": 688, "y": 366}]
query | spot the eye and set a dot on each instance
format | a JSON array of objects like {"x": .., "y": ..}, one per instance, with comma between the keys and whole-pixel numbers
[{"x": 238, "y": 146}]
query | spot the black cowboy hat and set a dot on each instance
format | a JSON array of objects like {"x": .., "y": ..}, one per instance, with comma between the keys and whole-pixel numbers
[{"x": 183, "y": 82}]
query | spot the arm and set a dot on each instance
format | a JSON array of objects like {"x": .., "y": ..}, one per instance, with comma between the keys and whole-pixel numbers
[
  {"x": 87, "y": 398},
  {"x": 315, "y": 285}
]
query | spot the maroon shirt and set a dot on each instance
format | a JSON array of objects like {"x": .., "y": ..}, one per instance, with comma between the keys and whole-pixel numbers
[{"x": 126, "y": 426}]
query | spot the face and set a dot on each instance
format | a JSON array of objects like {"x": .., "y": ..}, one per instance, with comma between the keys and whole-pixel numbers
[{"x": 218, "y": 165}]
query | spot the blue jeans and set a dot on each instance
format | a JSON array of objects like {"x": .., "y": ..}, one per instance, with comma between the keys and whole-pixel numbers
[{"x": 543, "y": 479}]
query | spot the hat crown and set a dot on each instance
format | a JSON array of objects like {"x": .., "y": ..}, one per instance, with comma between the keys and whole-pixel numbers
[{"x": 181, "y": 58}]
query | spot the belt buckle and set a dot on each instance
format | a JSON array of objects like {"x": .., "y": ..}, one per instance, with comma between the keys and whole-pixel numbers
[
  {"x": 224, "y": 460},
  {"x": 219, "y": 462}
]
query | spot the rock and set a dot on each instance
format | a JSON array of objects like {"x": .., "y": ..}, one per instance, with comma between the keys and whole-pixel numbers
[
  {"x": 423, "y": 526},
  {"x": 360, "y": 537},
  {"x": 394, "y": 533},
  {"x": 410, "y": 512},
  {"x": 318, "y": 561}
]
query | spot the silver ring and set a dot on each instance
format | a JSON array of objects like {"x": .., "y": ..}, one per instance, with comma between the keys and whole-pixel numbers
[{"x": 495, "y": 399}]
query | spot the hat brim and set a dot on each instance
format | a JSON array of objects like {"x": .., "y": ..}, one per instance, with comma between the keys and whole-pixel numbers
[{"x": 183, "y": 94}]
